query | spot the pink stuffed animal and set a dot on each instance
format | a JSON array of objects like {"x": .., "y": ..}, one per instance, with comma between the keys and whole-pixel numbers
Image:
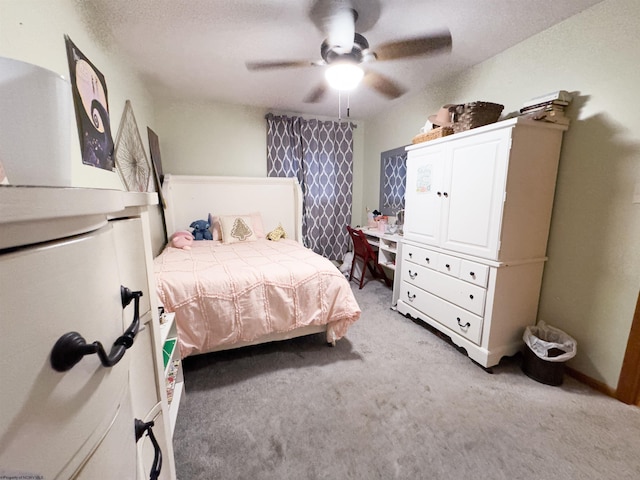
[{"x": 181, "y": 239}]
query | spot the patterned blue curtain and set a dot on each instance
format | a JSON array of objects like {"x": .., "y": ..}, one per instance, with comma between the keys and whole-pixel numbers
[{"x": 320, "y": 155}]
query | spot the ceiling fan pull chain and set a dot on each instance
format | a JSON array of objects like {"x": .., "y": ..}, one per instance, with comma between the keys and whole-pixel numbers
[
  {"x": 348, "y": 106},
  {"x": 339, "y": 105}
]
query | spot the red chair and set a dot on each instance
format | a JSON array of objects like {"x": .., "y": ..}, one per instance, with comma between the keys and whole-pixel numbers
[{"x": 363, "y": 250}]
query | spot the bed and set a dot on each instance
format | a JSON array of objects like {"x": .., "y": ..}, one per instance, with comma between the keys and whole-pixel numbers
[{"x": 244, "y": 289}]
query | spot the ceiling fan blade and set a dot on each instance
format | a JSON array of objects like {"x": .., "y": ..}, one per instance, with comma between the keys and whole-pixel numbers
[
  {"x": 382, "y": 84},
  {"x": 273, "y": 65},
  {"x": 316, "y": 94},
  {"x": 437, "y": 43}
]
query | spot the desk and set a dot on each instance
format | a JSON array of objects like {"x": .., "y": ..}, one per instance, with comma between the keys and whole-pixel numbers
[{"x": 387, "y": 245}]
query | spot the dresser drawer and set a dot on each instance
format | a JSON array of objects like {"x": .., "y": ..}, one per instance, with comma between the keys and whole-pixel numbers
[
  {"x": 468, "y": 296},
  {"x": 454, "y": 318},
  {"x": 474, "y": 272},
  {"x": 420, "y": 256},
  {"x": 448, "y": 265}
]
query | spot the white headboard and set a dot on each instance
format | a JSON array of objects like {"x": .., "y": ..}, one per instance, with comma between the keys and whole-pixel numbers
[{"x": 189, "y": 198}]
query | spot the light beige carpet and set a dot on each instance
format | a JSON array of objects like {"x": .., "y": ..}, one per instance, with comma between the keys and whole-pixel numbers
[{"x": 392, "y": 400}]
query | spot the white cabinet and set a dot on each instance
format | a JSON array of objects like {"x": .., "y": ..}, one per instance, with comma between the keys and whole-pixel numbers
[
  {"x": 487, "y": 192},
  {"x": 64, "y": 255},
  {"x": 477, "y": 216}
]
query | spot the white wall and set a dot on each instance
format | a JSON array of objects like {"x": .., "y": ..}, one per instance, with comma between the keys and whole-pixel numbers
[
  {"x": 33, "y": 31},
  {"x": 592, "y": 277}
]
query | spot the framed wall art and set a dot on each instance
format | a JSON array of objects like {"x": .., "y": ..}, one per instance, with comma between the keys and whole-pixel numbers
[
  {"x": 131, "y": 159},
  {"x": 154, "y": 150},
  {"x": 92, "y": 109}
]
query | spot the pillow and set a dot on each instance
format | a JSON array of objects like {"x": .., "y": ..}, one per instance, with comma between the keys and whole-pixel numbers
[
  {"x": 277, "y": 233},
  {"x": 236, "y": 228},
  {"x": 256, "y": 220}
]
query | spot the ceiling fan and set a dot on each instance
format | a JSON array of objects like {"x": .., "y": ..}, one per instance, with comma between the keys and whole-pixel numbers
[{"x": 346, "y": 49}]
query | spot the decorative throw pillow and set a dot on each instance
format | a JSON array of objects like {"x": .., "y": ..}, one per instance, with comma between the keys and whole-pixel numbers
[
  {"x": 277, "y": 233},
  {"x": 256, "y": 220},
  {"x": 237, "y": 228}
]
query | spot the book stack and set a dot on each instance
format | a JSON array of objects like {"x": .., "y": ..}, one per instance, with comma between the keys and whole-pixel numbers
[{"x": 548, "y": 108}]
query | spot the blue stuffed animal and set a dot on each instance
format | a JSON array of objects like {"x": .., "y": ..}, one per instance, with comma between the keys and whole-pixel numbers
[{"x": 201, "y": 230}]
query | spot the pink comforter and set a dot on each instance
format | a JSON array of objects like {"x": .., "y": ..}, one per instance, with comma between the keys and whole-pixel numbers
[{"x": 223, "y": 294}]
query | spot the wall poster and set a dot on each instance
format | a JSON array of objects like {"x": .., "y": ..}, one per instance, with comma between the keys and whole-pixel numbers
[
  {"x": 423, "y": 179},
  {"x": 92, "y": 109}
]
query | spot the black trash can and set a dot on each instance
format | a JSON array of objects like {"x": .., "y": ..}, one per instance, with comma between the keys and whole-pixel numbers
[
  {"x": 543, "y": 371},
  {"x": 545, "y": 353}
]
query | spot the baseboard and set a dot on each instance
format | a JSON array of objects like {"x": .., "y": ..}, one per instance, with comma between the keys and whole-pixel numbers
[{"x": 591, "y": 382}]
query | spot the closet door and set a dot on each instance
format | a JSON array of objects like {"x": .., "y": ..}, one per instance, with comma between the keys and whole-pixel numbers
[
  {"x": 475, "y": 193},
  {"x": 424, "y": 194},
  {"x": 53, "y": 421}
]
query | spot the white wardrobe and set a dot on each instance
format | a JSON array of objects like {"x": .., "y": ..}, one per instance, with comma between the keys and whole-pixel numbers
[
  {"x": 477, "y": 216},
  {"x": 65, "y": 256}
]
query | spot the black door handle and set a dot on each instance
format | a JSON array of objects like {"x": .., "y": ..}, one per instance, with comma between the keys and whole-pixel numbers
[
  {"x": 140, "y": 428},
  {"x": 71, "y": 347}
]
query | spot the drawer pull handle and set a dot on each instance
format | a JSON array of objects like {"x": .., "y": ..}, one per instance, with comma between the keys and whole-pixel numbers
[
  {"x": 448, "y": 266},
  {"x": 439, "y": 194},
  {"x": 471, "y": 296},
  {"x": 410, "y": 255},
  {"x": 411, "y": 297},
  {"x": 71, "y": 347},
  {"x": 473, "y": 274},
  {"x": 427, "y": 259},
  {"x": 466, "y": 325},
  {"x": 445, "y": 194},
  {"x": 413, "y": 275},
  {"x": 141, "y": 428}
]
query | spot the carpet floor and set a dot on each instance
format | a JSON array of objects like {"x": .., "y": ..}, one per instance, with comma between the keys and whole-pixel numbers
[{"x": 392, "y": 400}]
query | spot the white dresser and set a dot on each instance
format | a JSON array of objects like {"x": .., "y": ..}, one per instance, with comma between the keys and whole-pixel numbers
[
  {"x": 65, "y": 253},
  {"x": 477, "y": 216}
]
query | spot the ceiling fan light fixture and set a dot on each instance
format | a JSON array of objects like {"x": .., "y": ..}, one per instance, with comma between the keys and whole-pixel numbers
[{"x": 344, "y": 76}]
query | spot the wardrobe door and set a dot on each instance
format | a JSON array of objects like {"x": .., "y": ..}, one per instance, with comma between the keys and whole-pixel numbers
[
  {"x": 424, "y": 194},
  {"x": 52, "y": 421},
  {"x": 476, "y": 181}
]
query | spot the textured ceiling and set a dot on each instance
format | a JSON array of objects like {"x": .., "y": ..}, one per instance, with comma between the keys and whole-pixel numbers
[{"x": 196, "y": 49}]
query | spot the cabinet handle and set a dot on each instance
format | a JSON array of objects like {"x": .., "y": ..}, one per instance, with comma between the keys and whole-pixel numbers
[
  {"x": 471, "y": 297},
  {"x": 439, "y": 194},
  {"x": 411, "y": 297},
  {"x": 473, "y": 274},
  {"x": 412, "y": 275},
  {"x": 410, "y": 255},
  {"x": 427, "y": 259},
  {"x": 448, "y": 266},
  {"x": 71, "y": 347},
  {"x": 445, "y": 194},
  {"x": 140, "y": 429},
  {"x": 466, "y": 325}
]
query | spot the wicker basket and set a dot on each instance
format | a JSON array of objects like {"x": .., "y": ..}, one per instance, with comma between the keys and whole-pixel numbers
[
  {"x": 475, "y": 114},
  {"x": 432, "y": 134}
]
